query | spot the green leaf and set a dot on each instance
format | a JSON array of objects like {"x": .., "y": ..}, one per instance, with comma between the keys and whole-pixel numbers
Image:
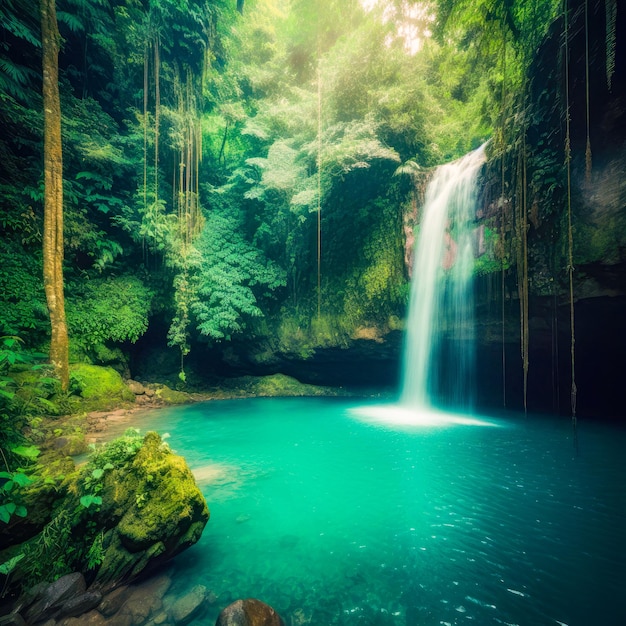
[
  {"x": 21, "y": 479},
  {"x": 29, "y": 452},
  {"x": 97, "y": 473},
  {"x": 88, "y": 500},
  {"x": 6, "y": 510}
]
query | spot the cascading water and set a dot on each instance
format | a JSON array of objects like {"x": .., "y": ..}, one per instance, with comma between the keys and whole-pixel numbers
[{"x": 439, "y": 345}]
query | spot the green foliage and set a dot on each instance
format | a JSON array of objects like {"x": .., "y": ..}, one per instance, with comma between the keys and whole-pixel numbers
[
  {"x": 23, "y": 310},
  {"x": 10, "y": 484},
  {"x": 18, "y": 400},
  {"x": 8, "y": 566},
  {"x": 73, "y": 537},
  {"x": 115, "y": 453},
  {"x": 99, "y": 387},
  {"x": 224, "y": 280},
  {"x": 260, "y": 83},
  {"x": 112, "y": 309}
]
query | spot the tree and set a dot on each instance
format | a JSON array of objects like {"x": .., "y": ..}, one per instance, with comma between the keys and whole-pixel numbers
[{"x": 53, "y": 193}]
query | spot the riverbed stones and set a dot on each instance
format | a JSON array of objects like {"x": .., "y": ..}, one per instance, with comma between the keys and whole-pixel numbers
[
  {"x": 93, "y": 618},
  {"x": 249, "y": 612},
  {"x": 143, "y": 601}
]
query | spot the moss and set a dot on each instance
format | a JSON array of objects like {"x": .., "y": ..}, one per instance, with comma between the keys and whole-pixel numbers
[
  {"x": 170, "y": 396},
  {"x": 100, "y": 388},
  {"x": 167, "y": 500}
]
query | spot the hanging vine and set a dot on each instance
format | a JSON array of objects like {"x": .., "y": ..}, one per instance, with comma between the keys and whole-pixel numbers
[
  {"x": 570, "y": 239},
  {"x": 157, "y": 106},
  {"x": 588, "y": 147},
  {"x": 502, "y": 215},
  {"x": 319, "y": 192},
  {"x": 611, "y": 39},
  {"x": 521, "y": 247},
  {"x": 145, "y": 136}
]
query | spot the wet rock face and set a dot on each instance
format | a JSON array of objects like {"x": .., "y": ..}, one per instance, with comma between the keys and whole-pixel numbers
[{"x": 249, "y": 612}]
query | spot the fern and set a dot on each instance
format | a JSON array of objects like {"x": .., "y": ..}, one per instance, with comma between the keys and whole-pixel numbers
[
  {"x": 24, "y": 27},
  {"x": 71, "y": 21},
  {"x": 14, "y": 79},
  {"x": 611, "y": 39}
]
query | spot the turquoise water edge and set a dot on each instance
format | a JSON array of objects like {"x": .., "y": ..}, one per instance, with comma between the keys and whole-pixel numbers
[{"x": 340, "y": 512}]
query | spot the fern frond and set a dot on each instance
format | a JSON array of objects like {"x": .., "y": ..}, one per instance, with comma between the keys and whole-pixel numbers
[
  {"x": 71, "y": 21},
  {"x": 14, "y": 79}
]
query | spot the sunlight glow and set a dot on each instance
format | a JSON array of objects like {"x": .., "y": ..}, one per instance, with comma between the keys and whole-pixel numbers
[
  {"x": 398, "y": 415},
  {"x": 412, "y": 21}
]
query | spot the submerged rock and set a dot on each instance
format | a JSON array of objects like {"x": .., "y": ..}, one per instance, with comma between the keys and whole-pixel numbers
[
  {"x": 143, "y": 601},
  {"x": 249, "y": 612},
  {"x": 114, "y": 600},
  {"x": 189, "y": 606}
]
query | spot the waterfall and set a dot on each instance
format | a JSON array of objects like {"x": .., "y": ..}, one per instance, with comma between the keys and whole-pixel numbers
[{"x": 439, "y": 345}]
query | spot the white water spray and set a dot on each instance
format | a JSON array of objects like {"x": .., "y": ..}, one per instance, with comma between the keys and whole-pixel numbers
[{"x": 439, "y": 346}]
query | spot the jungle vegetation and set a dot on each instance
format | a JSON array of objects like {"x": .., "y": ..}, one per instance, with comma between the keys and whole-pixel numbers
[{"x": 242, "y": 170}]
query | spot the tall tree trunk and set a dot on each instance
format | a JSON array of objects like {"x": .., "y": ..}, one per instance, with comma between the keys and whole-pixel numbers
[{"x": 53, "y": 193}]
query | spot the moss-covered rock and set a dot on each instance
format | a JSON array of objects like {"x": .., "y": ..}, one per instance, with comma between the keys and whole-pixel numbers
[
  {"x": 281, "y": 385},
  {"x": 133, "y": 506},
  {"x": 152, "y": 508},
  {"x": 99, "y": 387},
  {"x": 275, "y": 385},
  {"x": 170, "y": 396}
]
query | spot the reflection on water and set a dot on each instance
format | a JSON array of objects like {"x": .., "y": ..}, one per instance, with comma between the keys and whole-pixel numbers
[
  {"x": 328, "y": 515},
  {"x": 400, "y": 415}
]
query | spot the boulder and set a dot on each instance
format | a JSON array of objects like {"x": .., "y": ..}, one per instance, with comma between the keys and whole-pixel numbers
[
  {"x": 143, "y": 601},
  {"x": 80, "y": 604},
  {"x": 136, "y": 387},
  {"x": 100, "y": 387},
  {"x": 152, "y": 510},
  {"x": 143, "y": 507},
  {"x": 249, "y": 612},
  {"x": 53, "y": 596},
  {"x": 171, "y": 396}
]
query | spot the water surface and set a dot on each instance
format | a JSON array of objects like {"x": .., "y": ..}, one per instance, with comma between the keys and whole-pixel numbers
[{"x": 336, "y": 515}]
